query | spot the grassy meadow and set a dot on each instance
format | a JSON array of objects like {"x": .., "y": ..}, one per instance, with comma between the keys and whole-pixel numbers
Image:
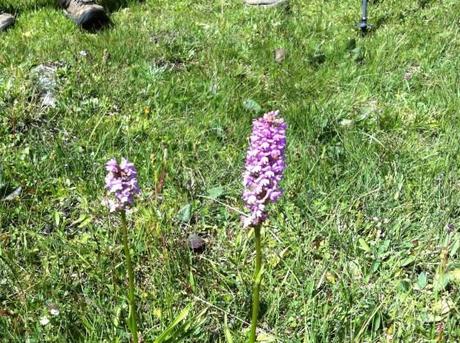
[{"x": 364, "y": 246}]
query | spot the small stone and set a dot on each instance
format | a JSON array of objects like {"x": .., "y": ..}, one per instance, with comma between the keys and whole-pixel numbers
[
  {"x": 14, "y": 195},
  {"x": 6, "y": 21},
  {"x": 48, "y": 100},
  {"x": 280, "y": 55},
  {"x": 265, "y": 3},
  {"x": 196, "y": 243},
  {"x": 411, "y": 71}
]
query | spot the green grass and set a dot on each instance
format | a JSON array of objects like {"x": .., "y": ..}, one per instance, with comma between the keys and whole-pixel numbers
[{"x": 372, "y": 188}]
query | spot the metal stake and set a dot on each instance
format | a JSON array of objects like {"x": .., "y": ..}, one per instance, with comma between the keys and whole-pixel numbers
[{"x": 363, "y": 25}]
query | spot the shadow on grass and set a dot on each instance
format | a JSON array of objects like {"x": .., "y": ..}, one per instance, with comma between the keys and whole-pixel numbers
[{"x": 115, "y": 5}]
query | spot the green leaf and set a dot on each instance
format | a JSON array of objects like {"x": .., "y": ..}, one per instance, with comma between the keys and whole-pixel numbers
[
  {"x": 364, "y": 245},
  {"x": 454, "y": 275},
  {"x": 228, "y": 335},
  {"x": 258, "y": 277},
  {"x": 455, "y": 247},
  {"x": 383, "y": 247},
  {"x": 422, "y": 280},
  {"x": 408, "y": 260},
  {"x": 216, "y": 192},
  {"x": 192, "y": 280},
  {"x": 167, "y": 333},
  {"x": 57, "y": 218},
  {"x": 377, "y": 322},
  {"x": 85, "y": 222},
  {"x": 252, "y": 105},
  {"x": 375, "y": 266},
  {"x": 404, "y": 286},
  {"x": 84, "y": 238},
  {"x": 116, "y": 317},
  {"x": 185, "y": 213},
  {"x": 440, "y": 281}
]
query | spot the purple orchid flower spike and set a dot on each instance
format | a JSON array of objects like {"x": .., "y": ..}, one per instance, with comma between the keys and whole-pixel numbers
[
  {"x": 264, "y": 167},
  {"x": 121, "y": 180},
  {"x": 262, "y": 176}
]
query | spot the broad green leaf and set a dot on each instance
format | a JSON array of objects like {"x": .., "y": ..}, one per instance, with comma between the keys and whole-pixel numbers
[
  {"x": 404, "y": 286},
  {"x": 422, "y": 280},
  {"x": 375, "y": 266},
  {"x": 383, "y": 247},
  {"x": 216, "y": 192},
  {"x": 440, "y": 281},
  {"x": 185, "y": 213},
  {"x": 252, "y": 105},
  {"x": 364, "y": 245},
  {"x": 408, "y": 260}
]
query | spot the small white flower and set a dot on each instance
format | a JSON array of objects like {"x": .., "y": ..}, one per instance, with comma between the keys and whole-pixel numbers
[
  {"x": 54, "y": 312},
  {"x": 44, "y": 320}
]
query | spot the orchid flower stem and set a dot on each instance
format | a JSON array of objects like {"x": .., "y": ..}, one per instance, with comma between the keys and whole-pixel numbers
[
  {"x": 256, "y": 285},
  {"x": 132, "y": 320}
]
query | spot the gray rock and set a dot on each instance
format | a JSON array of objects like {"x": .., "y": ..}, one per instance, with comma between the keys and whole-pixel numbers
[
  {"x": 265, "y": 3},
  {"x": 6, "y": 20},
  {"x": 280, "y": 55},
  {"x": 45, "y": 78},
  {"x": 14, "y": 195},
  {"x": 196, "y": 243}
]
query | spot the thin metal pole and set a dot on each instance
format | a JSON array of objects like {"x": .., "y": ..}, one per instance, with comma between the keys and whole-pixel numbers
[
  {"x": 364, "y": 11},
  {"x": 363, "y": 24}
]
